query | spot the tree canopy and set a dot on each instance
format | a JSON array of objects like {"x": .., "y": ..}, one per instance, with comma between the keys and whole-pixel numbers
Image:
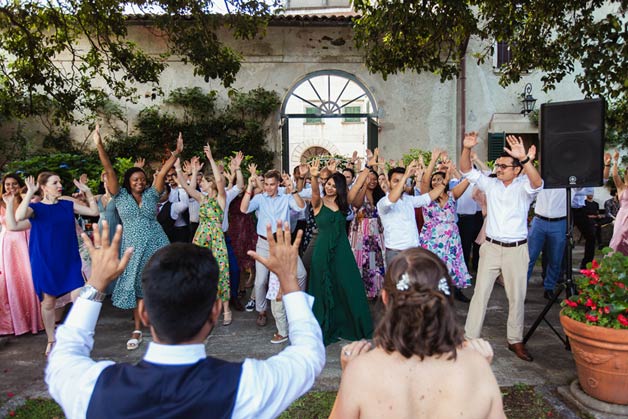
[
  {"x": 44, "y": 69},
  {"x": 549, "y": 35}
]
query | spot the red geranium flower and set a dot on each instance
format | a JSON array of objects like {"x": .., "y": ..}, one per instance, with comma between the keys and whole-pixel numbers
[
  {"x": 571, "y": 303},
  {"x": 607, "y": 310},
  {"x": 591, "y": 318},
  {"x": 622, "y": 319},
  {"x": 620, "y": 284},
  {"x": 594, "y": 264}
]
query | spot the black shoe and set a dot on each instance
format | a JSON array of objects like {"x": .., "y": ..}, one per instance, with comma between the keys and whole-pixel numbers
[
  {"x": 458, "y": 295},
  {"x": 548, "y": 295}
]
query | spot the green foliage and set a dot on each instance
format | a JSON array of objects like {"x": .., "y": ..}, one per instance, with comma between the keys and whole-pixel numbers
[
  {"x": 38, "y": 408},
  {"x": 414, "y": 35},
  {"x": 418, "y": 155},
  {"x": 14, "y": 146},
  {"x": 92, "y": 36},
  {"x": 239, "y": 126},
  {"x": 67, "y": 166},
  {"x": 602, "y": 298},
  {"x": 551, "y": 36}
]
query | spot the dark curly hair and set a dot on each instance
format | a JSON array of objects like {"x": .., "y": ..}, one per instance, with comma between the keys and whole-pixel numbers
[
  {"x": 126, "y": 183},
  {"x": 421, "y": 319}
]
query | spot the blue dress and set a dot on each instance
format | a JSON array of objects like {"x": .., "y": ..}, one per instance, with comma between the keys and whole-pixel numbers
[
  {"x": 54, "y": 249},
  {"x": 143, "y": 232}
]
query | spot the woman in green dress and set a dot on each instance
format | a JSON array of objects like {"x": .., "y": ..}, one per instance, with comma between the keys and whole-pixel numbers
[
  {"x": 209, "y": 232},
  {"x": 340, "y": 304}
]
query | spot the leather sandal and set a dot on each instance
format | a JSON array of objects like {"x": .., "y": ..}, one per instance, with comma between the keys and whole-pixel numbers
[
  {"x": 134, "y": 343},
  {"x": 227, "y": 318}
]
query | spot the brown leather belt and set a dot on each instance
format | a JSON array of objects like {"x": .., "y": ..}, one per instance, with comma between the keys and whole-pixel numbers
[{"x": 511, "y": 244}]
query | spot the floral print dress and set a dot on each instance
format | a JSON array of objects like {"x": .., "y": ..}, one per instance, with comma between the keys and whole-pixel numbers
[
  {"x": 440, "y": 236},
  {"x": 366, "y": 235},
  {"x": 209, "y": 234},
  {"x": 143, "y": 232}
]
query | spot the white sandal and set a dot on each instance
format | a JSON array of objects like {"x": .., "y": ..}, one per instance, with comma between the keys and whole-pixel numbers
[{"x": 134, "y": 343}]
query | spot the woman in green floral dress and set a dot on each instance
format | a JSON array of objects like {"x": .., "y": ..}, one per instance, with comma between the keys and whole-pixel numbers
[{"x": 209, "y": 232}]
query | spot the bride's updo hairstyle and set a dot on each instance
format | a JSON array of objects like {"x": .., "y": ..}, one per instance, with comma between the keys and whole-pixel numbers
[{"x": 419, "y": 318}]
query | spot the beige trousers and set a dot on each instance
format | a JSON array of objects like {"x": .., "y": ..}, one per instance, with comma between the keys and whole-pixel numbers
[
  {"x": 279, "y": 313},
  {"x": 512, "y": 263}
]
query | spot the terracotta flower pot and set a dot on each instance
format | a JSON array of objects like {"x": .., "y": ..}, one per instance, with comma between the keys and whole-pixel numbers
[{"x": 601, "y": 356}]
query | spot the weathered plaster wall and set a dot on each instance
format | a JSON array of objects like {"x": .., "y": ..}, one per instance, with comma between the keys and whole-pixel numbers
[{"x": 416, "y": 111}]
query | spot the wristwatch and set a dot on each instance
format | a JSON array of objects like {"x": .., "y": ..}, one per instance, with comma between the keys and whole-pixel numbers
[{"x": 88, "y": 292}]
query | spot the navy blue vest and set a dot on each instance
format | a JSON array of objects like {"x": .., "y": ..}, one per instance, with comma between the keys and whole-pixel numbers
[{"x": 206, "y": 389}]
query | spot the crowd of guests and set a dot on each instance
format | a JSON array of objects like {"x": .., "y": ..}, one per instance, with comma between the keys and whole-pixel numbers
[{"x": 357, "y": 226}]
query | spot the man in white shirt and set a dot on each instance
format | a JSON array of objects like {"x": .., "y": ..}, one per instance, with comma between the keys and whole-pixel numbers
[
  {"x": 178, "y": 195},
  {"x": 505, "y": 251},
  {"x": 396, "y": 210},
  {"x": 176, "y": 378}
]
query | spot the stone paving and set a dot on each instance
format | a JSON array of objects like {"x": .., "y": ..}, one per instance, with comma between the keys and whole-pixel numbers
[{"x": 22, "y": 360}]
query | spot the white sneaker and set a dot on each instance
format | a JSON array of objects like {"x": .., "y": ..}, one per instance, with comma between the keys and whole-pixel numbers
[{"x": 250, "y": 306}]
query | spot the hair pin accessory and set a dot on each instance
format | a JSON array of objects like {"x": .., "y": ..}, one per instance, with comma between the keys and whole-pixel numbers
[
  {"x": 442, "y": 286},
  {"x": 404, "y": 283}
]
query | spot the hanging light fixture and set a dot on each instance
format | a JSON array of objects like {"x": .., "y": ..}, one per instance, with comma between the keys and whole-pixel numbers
[{"x": 527, "y": 100}]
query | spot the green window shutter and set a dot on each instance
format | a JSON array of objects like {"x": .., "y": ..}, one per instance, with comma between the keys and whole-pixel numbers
[
  {"x": 496, "y": 142},
  {"x": 351, "y": 109},
  {"x": 312, "y": 111}
]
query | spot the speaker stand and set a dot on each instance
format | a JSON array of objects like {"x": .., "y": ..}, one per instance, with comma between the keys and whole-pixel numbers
[{"x": 567, "y": 285}]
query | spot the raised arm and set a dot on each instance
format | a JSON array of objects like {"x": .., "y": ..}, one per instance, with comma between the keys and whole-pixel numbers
[
  {"x": 427, "y": 175},
  {"x": 235, "y": 164},
  {"x": 304, "y": 169},
  {"x": 395, "y": 193},
  {"x": 470, "y": 141},
  {"x": 479, "y": 163},
  {"x": 23, "y": 210},
  {"x": 79, "y": 208},
  {"x": 112, "y": 177},
  {"x": 246, "y": 199},
  {"x": 317, "y": 202},
  {"x": 517, "y": 151},
  {"x": 356, "y": 194},
  {"x": 619, "y": 183},
  {"x": 190, "y": 189},
  {"x": 12, "y": 223},
  {"x": 219, "y": 178},
  {"x": 161, "y": 175}
]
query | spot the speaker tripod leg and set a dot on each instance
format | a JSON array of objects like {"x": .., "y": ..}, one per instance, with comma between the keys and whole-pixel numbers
[{"x": 557, "y": 292}]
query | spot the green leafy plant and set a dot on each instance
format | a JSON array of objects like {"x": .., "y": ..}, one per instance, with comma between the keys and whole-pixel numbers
[
  {"x": 602, "y": 298},
  {"x": 241, "y": 125}
]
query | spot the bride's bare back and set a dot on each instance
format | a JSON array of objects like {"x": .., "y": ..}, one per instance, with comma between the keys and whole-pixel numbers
[{"x": 381, "y": 385}]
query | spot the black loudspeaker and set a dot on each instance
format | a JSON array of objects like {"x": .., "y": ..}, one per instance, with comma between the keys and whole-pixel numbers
[{"x": 572, "y": 143}]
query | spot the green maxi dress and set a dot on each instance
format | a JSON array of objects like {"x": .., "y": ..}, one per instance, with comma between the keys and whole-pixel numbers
[{"x": 340, "y": 304}]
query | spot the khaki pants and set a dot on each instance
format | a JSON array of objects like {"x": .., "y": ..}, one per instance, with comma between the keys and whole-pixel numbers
[
  {"x": 261, "y": 276},
  {"x": 512, "y": 263},
  {"x": 279, "y": 313}
]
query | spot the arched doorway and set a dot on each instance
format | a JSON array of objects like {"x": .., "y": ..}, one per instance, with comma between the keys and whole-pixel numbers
[{"x": 331, "y": 110}]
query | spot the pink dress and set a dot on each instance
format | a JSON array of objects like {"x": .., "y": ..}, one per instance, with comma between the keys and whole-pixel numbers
[
  {"x": 619, "y": 242},
  {"x": 20, "y": 311}
]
